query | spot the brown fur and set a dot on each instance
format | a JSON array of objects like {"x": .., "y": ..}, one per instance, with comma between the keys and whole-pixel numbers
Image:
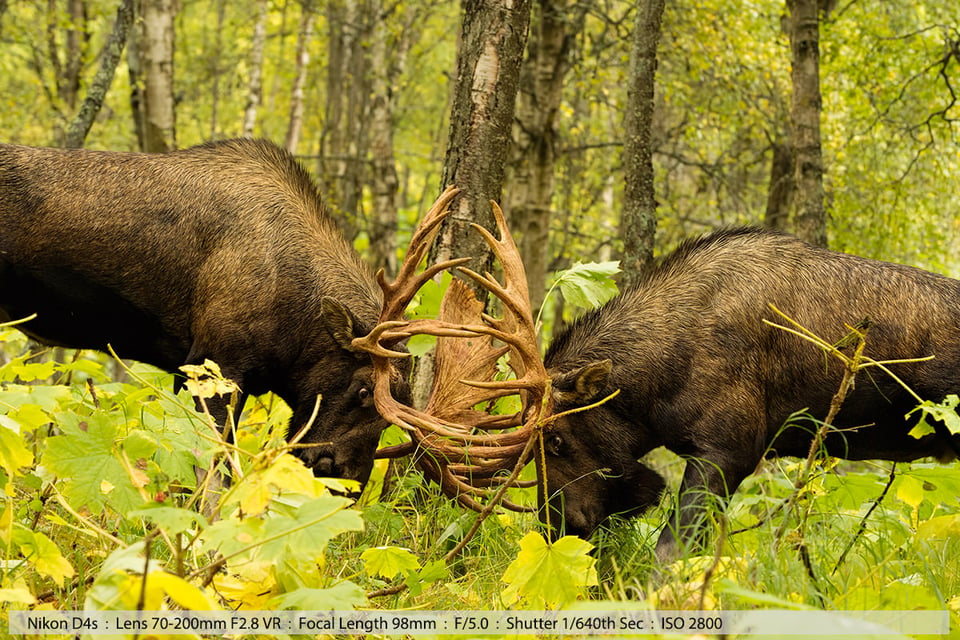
[
  {"x": 221, "y": 251},
  {"x": 701, "y": 374}
]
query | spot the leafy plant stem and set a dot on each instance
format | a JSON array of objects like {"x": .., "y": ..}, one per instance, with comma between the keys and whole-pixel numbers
[{"x": 851, "y": 366}]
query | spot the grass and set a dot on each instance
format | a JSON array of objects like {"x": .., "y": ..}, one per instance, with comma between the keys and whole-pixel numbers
[{"x": 901, "y": 553}]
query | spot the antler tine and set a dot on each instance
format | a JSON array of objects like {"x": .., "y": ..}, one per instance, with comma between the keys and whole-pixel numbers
[
  {"x": 397, "y": 294},
  {"x": 465, "y": 449}
]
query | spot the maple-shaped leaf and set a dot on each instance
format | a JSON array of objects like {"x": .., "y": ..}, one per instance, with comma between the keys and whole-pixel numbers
[
  {"x": 388, "y": 562},
  {"x": 303, "y": 535},
  {"x": 249, "y": 586},
  {"x": 588, "y": 285},
  {"x": 162, "y": 585},
  {"x": 549, "y": 575},
  {"x": 286, "y": 474},
  {"x": 85, "y": 460}
]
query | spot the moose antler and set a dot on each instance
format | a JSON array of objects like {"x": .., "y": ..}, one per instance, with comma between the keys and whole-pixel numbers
[{"x": 472, "y": 454}]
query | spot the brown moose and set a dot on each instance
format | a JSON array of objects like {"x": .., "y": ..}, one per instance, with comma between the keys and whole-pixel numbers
[
  {"x": 221, "y": 251},
  {"x": 700, "y": 373}
]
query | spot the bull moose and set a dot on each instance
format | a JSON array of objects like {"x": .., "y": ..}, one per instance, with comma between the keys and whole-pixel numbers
[
  {"x": 700, "y": 373},
  {"x": 222, "y": 251}
]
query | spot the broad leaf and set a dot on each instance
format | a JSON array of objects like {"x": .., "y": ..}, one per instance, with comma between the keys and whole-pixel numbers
[
  {"x": 344, "y": 596},
  {"x": 83, "y": 457},
  {"x": 389, "y": 562},
  {"x": 549, "y": 575},
  {"x": 588, "y": 285},
  {"x": 43, "y": 554},
  {"x": 944, "y": 412}
]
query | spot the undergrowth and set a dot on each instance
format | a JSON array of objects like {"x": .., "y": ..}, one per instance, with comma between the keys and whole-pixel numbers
[{"x": 101, "y": 510}]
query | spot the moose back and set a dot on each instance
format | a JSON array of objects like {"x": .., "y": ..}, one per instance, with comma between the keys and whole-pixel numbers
[
  {"x": 702, "y": 374},
  {"x": 221, "y": 251}
]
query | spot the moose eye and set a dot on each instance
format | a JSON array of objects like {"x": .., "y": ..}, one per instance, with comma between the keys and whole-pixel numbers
[
  {"x": 554, "y": 444},
  {"x": 363, "y": 394}
]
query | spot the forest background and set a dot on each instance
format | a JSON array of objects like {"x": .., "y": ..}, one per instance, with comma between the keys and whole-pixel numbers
[{"x": 362, "y": 92}]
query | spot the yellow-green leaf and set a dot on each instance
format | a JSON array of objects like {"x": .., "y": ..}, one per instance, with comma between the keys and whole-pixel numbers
[
  {"x": 389, "y": 561},
  {"x": 549, "y": 575},
  {"x": 45, "y": 556}
]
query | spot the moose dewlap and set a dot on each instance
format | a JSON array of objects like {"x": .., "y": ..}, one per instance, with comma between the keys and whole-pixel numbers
[
  {"x": 702, "y": 374},
  {"x": 222, "y": 252}
]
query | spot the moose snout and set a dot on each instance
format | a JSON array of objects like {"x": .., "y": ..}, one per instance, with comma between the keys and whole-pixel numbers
[
  {"x": 324, "y": 467},
  {"x": 321, "y": 462}
]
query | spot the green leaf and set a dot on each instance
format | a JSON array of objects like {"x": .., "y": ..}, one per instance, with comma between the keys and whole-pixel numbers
[
  {"x": 13, "y": 453},
  {"x": 304, "y": 535},
  {"x": 43, "y": 554},
  {"x": 431, "y": 572},
  {"x": 549, "y": 575},
  {"x": 940, "y": 528},
  {"x": 588, "y": 285},
  {"x": 30, "y": 371},
  {"x": 934, "y": 483},
  {"x": 944, "y": 412},
  {"x": 389, "y": 562},
  {"x": 344, "y": 596},
  {"x": 910, "y": 490},
  {"x": 83, "y": 458},
  {"x": 172, "y": 520}
]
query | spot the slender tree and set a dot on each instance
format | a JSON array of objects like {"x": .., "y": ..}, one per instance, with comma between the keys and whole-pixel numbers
[
  {"x": 531, "y": 183},
  {"x": 156, "y": 51},
  {"x": 255, "y": 84},
  {"x": 68, "y": 72},
  {"x": 344, "y": 141},
  {"x": 216, "y": 70},
  {"x": 810, "y": 221},
  {"x": 493, "y": 38},
  {"x": 96, "y": 94},
  {"x": 387, "y": 59},
  {"x": 304, "y": 36},
  {"x": 638, "y": 222},
  {"x": 780, "y": 191}
]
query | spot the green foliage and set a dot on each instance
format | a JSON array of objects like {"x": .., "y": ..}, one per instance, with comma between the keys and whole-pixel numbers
[
  {"x": 944, "y": 412},
  {"x": 100, "y": 504},
  {"x": 589, "y": 285},
  {"x": 547, "y": 575}
]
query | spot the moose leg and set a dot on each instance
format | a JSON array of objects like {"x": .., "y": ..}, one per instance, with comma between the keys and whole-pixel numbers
[{"x": 705, "y": 481}]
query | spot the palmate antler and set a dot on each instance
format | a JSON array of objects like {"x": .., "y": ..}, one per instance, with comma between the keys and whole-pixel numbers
[{"x": 472, "y": 454}]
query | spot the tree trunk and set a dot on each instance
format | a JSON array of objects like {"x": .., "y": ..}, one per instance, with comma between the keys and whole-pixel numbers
[
  {"x": 810, "y": 221},
  {"x": 638, "y": 223},
  {"x": 255, "y": 86},
  {"x": 67, "y": 71},
  {"x": 215, "y": 69},
  {"x": 382, "y": 229},
  {"x": 77, "y": 38},
  {"x": 344, "y": 139},
  {"x": 78, "y": 128},
  {"x": 156, "y": 50},
  {"x": 135, "y": 74},
  {"x": 489, "y": 54},
  {"x": 494, "y": 36},
  {"x": 531, "y": 185},
  {"x": 304, "y": 36},
  {"x": 780, "y": 191}
]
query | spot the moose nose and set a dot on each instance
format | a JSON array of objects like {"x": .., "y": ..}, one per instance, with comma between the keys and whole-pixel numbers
[{"x": 324, "y": 467}]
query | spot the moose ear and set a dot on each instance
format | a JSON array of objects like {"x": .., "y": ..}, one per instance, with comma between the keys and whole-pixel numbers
[
  {"x": 339, "y": 322},
  {"x": 584, "y": 384}
]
